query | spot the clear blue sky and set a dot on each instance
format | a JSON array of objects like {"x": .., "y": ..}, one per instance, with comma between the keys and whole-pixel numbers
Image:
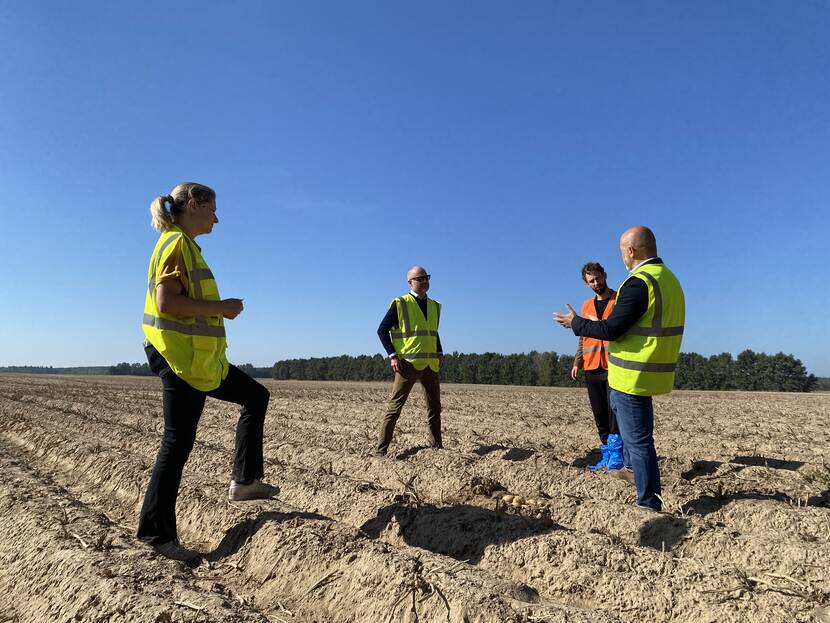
[{"x": 501, "y": 145}]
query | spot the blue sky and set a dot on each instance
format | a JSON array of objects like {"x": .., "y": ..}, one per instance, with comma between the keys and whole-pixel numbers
[{"x": 501, "y": 145}]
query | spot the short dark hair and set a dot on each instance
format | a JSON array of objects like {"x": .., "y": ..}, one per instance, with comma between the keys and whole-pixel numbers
[{"x": 593, "y": 268}]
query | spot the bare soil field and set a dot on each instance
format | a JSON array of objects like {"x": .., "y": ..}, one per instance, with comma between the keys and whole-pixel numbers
[{"x": 420, "y": 535}]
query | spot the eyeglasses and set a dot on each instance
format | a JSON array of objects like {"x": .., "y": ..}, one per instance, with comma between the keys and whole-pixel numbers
[{"x": 421, "y": 278}]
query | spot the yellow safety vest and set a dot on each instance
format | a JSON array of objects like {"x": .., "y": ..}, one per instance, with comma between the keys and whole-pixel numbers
[
  {"x": 416, "y": 338},
  {"x": 194, "y": 347},
  {"x": 642, "y": 362}
]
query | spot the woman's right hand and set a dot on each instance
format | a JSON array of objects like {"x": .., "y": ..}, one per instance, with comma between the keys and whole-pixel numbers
[{"x": 231, "y": 308}]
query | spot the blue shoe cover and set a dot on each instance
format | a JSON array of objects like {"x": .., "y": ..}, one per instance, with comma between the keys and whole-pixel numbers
[
  {"x": 603, "y": 462},
  {"x": 615, "y": 452}
]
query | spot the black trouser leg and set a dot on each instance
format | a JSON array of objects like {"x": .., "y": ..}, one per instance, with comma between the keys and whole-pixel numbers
[
  {"x": 182, "y": 408},
  {"x": 241, "y": 389},
  {"x": 603, "y": 415}
]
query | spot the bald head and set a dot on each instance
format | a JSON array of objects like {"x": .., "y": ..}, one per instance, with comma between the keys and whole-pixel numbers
[
  {"x": 415, "y": 271},
  {"x": 418, "y": 280},
  {"x": 637, "y": 244}
]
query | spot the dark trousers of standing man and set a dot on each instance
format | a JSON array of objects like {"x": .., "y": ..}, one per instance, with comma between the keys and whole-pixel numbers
[
  {"x": 598, "y": 395},
  {"x": 183, "y": 407},
  {"x": 404, "y": 382},
  {"x": 635, "y": 415}
]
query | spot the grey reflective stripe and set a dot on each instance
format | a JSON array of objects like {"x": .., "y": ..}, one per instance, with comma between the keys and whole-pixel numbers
[
  {"x": 201, "y": 273},
  {"x": 656, "y": 331},
  {"x": 157, "y": 257},
  {"x": 641, "y": 366},
  {"x": 657, "y": 320},
  {"x": 188, "y": 329},
  {"x": 419, "y": 355},
  {"x": 594, "y": 349},
  {"x": 405, "y": 309},
  {"x": 196, "y": 284},
  {"x": 417, "y": 333}
]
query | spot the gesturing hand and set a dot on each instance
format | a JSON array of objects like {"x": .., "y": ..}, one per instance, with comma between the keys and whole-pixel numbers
[
  {"x": 565, "y": 319},
  {"x": 231, "y": 308}
]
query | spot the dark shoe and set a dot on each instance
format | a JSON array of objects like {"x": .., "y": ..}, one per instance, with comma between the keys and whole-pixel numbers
[
  {"x": 649, "y": 508},
  {"x": 256, "y": 490},
  {"x": 623, "y": 474}
]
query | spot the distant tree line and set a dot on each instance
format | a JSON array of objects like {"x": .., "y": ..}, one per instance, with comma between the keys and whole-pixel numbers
[
  {"x": 750, "y": 371},
  {"x": 52, "y": 370},
  {"x": 143, "y": 369},
  {"x": 823, "y": 384},
  {"x": 131, "y": 369}
]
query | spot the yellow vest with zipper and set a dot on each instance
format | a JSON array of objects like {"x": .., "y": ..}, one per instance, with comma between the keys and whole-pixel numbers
[
  {"x": 642, "y": 362},
  {"x": 194, "y": 347},
  {"x": 416, "y": 338}
]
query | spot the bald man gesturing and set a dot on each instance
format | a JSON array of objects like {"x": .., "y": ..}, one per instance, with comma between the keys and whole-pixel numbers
[
  {"x": 409, "y": 334},
  {"x": 644, "y": 333}
]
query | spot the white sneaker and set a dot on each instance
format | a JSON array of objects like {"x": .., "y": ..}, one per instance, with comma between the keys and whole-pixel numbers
[{"x": 256, "y": 490}]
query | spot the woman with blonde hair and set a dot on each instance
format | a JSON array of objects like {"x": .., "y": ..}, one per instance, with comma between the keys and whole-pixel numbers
[{"x": 185, "y": 346}]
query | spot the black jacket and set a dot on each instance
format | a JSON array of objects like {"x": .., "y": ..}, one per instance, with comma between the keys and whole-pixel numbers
[{"x": 632, "y": 303}]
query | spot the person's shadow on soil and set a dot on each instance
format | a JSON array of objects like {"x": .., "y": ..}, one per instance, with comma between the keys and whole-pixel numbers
[
  {"x": 664, "y": 532},
  {"x": 591, "y": 457},
  {"x": 461, "y": 531},
  {"x": 708, "y": 504},
  {"x": 410, "y": 452},
  {"x": 237, "y": 535},
  {"x": 511, "y": 454},
  {"x": 761, "y": 461},
  {"x": 707, "y": 468}
]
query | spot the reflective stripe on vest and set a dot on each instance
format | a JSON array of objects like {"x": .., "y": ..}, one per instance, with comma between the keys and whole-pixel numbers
[
  {"x": 642, "y": 362},
  {"x": 156, "y": 259},
  {"x": 419, "y": 333},
  {"x": 641, "y": 365},
  {"x": 656, "y": 329},
  {"x": 416, "y": 337},
  {"x": 594, "y": 351},
  {"x": 194, "y": 348},
  {"x": 180, "y": 327}
]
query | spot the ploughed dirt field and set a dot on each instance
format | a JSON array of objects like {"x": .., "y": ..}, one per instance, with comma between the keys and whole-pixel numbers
[{"x": 421, "y": 535}]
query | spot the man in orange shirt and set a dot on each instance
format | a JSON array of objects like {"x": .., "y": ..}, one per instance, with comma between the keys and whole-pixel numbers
[{"x": 592, "y": 357}]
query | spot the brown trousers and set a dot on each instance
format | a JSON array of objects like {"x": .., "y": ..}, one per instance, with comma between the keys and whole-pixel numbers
[{"x": 403, "y": 384}]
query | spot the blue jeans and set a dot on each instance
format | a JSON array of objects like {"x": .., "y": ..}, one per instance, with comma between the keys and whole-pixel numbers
[{"x": 635, "y": 419}]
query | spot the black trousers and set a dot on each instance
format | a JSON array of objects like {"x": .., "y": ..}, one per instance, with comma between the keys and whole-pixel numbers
[
  {"x": 183, "y": 407},
  {"x": 598, "y": 391}
]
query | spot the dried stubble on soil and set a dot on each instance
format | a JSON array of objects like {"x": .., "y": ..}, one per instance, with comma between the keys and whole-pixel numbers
[{"x": 747, "y": 535}]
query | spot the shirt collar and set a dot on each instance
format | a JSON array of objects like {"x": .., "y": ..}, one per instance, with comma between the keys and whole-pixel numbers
[
  {"x": 418, "y": 297},
  {"x": 643, "y": 262}
]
